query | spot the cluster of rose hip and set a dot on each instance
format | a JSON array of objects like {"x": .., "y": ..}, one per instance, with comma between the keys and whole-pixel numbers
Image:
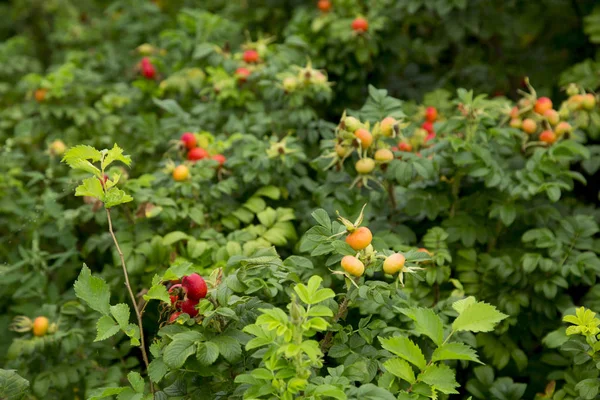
[
  {"x": 194, "y": 153},
  {"x": 250, "y": 57},
  {"x": 305, "y": 77},
  {"x": 186, "y": 295},
  {"x": 421, "y": 135},
  {"x": 360, "y": 238},
  {"x": 537, "y": 117},
  {"x": 352, "y": 135}
]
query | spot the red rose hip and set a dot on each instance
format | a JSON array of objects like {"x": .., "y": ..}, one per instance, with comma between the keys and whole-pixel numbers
[{"x": 194, "y": 286}]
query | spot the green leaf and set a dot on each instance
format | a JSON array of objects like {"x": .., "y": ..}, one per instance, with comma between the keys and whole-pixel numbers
[
  {"x": 311, "y": 294},
  {"x": 157, "y": 370},
  {"x": 427, "y": 323},
  {"x": 401, "y": 369},
  {"x": 229, "y": 347},
  {"x": 121, "y": 313},
  {"x": 116, "y": 196},
  {"x": 12, "y": 385},
  {"x": 329, "y": 391},
  {"x": 93, "y": 290},
  {"x": 158, "y": 292},
  {"x": 106, "y": 327},
  {"x": 207, "y": 353},
  {"x": 102, "y": 393},
  {"x": 405, "y": 348},
  {"x": 478, "y": 317},
  {"x": 322, "y": 218},
  {"x": 588, "y": 388},
  {"x": 174, "y": 237},
  {"x": 136, "y": 380},
  {"x": 460, "y": 305},
  {"x": 116, "y": 154},
  {"x": 441, "y": 377},
  {"x": 90, "y": 187},
  {"x": 320, "y": 311},
  {"x": 455, "y": 351},
  {"x": 182, "y": 346}
]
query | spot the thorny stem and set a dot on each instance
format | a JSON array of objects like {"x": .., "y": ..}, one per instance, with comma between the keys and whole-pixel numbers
[
  {"x": 131, "y": 295},
  {"x": 326, "y": 342}
]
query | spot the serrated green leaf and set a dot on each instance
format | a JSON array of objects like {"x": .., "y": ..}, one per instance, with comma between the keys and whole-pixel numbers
[
  {"x": 441, "y": 377},
  {"x": 93, "y": 290},
  {"x": 121, "y": 314},
  {"x": 157, "y": 370},
  {"x": 182, "y": 346},
  {"x": 455, "y": 351},
  {"x": 136, "y": 381},
  {"x": 12, "y": 385},
  {"x": 90, "y": 187},
  {"x": 405, "y": 348},
  {"x": 106, "y": 327},
  {"x": 207, "y": 353},
  {"x": 102, "y": 393},
  {"x": 116, "y": 154},
  {"x": 460, "y": 305},
  {"x": 116, "y": 196},
  {"x": 401, "y": 369},
  {"x": 427, "y": 323},
  {"x": 478, "y": 317},
  {"x": 229, "y": 347},
  {"x": 158, "y": 292}
]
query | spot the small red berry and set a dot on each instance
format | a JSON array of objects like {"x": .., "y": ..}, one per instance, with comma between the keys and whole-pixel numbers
[
  {"x": 324, "y": 5},
  {"x": 188, "y": 306},
  {"x": 148, "y": 70},
  {"x": 251, "y": 56},
  {"x": 548, "y": 137},
  {"x": 360, "y": 25},
  {"x": 428, "y": 126},
  {"x": 431, "y": 114},
  {"x": 220, "y": 158},
  {"x": 429, "y": 137},
  {"x": 174, "y": 317},
  {"x": 242, "y": 74},
  {"x": 197, "y": 153},
  {"x": 405, "y": 146},
  {"x": 189, "y": 140},
  {"x": 194, "y": 286},
  {"x": 542, "y": 105}
]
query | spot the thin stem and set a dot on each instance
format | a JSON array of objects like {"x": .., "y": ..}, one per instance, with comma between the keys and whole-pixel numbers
[
  {"x": 131, "y": 295},
  {"x": 392, "y": 195},
  {"x": 455, "y": 192},
  {"x": 326, "y": 342}
]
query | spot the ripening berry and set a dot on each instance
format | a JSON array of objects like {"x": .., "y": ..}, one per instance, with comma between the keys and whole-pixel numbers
[
  {"x": 174, "y": 317},
  {"x": 351, "y": 124},
  {"x": 242, "y": 74},
  {"x": 428, "y": 126},
  {"x": 589, "y": 101},
  {"x": 147, "y": 69},
  {"x": 353, "y": 265},
  {"x": 365, "y": 166},
  {"x": 58, "y": 148},
  {"x": 529, "y": 126},
  {"x": 188, "y": 306},
  {"x": 40, "y": 326},
  {"x": 324, "y": 5},
  {"x": 220, "y": 158},
  {"x": 431, "y": 114},
  {"x": 552, "y": 117},
  {"x": 548, "y": 137},
  {"x": 514, "y": 112},
  {"x": 197, "y": 153},
  {"x": 360, "y": 238},
  {"x": 40, "y": 95},
  {"x": 251, "y": 56},
  {"x": 360, "y": 25},
  {"x": 394, "y": 263},
  {"x": 341, "y": 151},
  {"x": 575, "y": 102},
  {"x": 194, "y": 286},
  {"x": 181, "y": 173},
  {"x": 384, "y": 155},
  {"x": 516, "y": 123},
  {"x": 542, "y": 105},
  {"x": 189, "y": 140},
  {"x": 387, "y": 126},
  {"x": 405, "y": 146},
  {"x": 562, "y": 128},
  {"x": 290, "y": 84},
  {"x": 364, "y": 137}
]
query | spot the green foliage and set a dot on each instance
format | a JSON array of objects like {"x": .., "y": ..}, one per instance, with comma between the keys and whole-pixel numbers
[{"x": 484, "y": 236}]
